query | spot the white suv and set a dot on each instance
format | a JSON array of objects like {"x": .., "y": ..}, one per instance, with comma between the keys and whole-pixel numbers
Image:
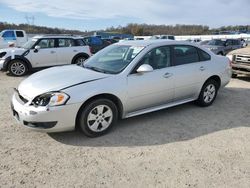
[{"x": 44, "y": 51}]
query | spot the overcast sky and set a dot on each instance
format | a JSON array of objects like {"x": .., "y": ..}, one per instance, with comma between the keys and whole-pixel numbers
[{"x": 99, "y": 14}]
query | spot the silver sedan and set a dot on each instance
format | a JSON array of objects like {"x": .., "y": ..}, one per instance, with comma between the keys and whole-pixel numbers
[{"x": 123, "y": 80}]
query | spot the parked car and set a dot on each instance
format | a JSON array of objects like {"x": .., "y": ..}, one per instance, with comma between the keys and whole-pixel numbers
[
  {"x": 222, "y": 47},
  {"x": 240, "y": 61},
  {"x": 44, "y": 51},
  {"x": 11, "y": 38},
  {"x": 123, "y": 80},
  {"x": 96, "y": 43},
  {"x": 111, "y": 41},
  {"x": 169, "y": 37},
  {"x": 204, "y": 42}
]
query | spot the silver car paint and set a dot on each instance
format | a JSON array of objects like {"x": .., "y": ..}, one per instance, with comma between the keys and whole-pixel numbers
[{"x": 138, "y": 93}]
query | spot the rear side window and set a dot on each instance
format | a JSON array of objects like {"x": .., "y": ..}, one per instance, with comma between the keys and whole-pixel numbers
[
  {"x": 185, "y": 55},
  {"x": 19, "y": 34},
  {"x": 65, "y": 42},
  {"x": 204, "y": 56},
  {"x": 80, "y": 42}
]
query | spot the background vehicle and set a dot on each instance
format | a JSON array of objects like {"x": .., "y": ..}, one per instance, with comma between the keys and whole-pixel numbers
[
  {"x": 96, "y": 43},
  {"x": 222, "y": 47},
  {"x": 11, "y": 38},
  {"x": 170, "y": 37},
  {"x": 44, "y": 51},
  {"x": 123, "y": 80},
  {"x": 240, "y": 61}
]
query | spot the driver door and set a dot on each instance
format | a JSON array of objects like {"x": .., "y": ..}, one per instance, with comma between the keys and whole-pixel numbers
[
  {"x": 46, "y": 55},
  {"x": 150, "y": 89}
]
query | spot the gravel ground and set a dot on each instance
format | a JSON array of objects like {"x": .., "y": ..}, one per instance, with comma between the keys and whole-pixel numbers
[{"x": 184, "y": 146}]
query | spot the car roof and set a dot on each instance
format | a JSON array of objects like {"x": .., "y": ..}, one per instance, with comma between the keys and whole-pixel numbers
[
  {"x": 58, "y": 36},
  {"x": 154, "y": 42}
]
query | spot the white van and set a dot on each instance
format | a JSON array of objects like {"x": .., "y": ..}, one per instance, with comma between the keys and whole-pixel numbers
[{"x": 11, "y": 38}]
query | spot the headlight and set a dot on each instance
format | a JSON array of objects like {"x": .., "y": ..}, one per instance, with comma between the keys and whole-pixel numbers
[
  {"x": 51, "y": 99},
  {"x": 2, "y": 54}
]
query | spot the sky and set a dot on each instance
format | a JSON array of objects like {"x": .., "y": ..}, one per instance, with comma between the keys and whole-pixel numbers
[{"x": 99, "y": 14}]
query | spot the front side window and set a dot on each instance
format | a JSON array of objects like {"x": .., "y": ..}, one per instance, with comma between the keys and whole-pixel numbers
[
  {"x": 65, "y": 42},
  {"x": 157, "y": 58},
  {"x": 185, "y": 55},
  {"x": 113, "y": 59},
  {"x": 8, "y": 34},
  {"x": 46, "y": 43}
]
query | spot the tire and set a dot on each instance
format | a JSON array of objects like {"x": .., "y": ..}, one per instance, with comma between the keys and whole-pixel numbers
[
  {"x": 208, "y": 93},
  {"x": 98, "y": 117},
  {"x": 234, "y": 75},
  {"x": 17, "y": 68},
  {"x": 80, "y": 60}
]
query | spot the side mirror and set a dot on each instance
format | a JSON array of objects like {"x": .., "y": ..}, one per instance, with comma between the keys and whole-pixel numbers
[
  {"x": 37, "y": 48},
  {"x": 144, "y": 68}
]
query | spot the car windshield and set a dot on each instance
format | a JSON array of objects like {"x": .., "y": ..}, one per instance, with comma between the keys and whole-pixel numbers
[
  {"x": 216, "y": 42},
  {"x": 29, "y": 44},
  {"x": 113, "y": 59}
]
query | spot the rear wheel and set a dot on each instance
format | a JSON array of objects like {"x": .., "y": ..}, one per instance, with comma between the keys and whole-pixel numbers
[
  {"x": 208, "y": 93},
  {"x": 98, "y": 117},
  {"x": 17, "y": 68}
]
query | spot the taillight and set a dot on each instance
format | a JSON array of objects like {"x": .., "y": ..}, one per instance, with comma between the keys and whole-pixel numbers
[{"x": 90, "y": 49}]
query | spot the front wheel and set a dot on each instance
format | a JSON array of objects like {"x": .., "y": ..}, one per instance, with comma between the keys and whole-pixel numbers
[
  {"x": 98, "y": 117},
  {"x": 80, "y": 60},
  {"x": 208, "y": 93},
  {"x": 17, "y": 68}
]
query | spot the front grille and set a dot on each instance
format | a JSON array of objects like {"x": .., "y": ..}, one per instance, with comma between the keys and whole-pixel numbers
[{"x": 242, "y": 59}]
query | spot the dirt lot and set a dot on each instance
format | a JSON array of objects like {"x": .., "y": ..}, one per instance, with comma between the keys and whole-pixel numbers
[{"x": 184, "y": 146}]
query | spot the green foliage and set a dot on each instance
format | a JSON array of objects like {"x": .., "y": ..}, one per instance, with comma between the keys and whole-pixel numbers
[{"x": 132, "y": 28}]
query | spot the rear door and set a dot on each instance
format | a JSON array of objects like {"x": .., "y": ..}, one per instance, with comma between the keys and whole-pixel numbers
[
  {"x": 21, "y": 38},
  {"x": 46, "y": 55},
  {"x": 190, "y": 71},
  {"x": 66, "y": 50}
]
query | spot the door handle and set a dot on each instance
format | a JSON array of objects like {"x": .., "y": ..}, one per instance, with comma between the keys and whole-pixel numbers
[
  {"x": 74, "y": 50},
  {"x": 202, "y": 68},
  {"x": 167, "y": 75},
  {"x": 52, "y": 52}
]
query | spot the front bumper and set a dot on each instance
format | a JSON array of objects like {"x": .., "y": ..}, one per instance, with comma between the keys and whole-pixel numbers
[
  {"x": 1, "y": 63},
  {"x": 241, "y": 68},
  {"x": 52, "y": 119}
]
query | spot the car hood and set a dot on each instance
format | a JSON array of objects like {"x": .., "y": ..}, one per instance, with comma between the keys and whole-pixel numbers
[
  {"x": 55, "y": 79},
  {"x": 13, "y": 51},
  {"x": 243, "y": 51}
]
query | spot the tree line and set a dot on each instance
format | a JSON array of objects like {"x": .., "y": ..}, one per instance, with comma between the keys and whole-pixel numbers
[{"x": 132, "y": 28}]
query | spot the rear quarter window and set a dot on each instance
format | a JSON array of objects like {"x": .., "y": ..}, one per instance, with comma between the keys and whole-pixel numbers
[
  {"x": 80, "y": 42},
  {"x": 204, "y": 56}
]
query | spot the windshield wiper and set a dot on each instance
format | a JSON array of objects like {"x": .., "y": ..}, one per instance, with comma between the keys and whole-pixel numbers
[{"x": 95, "y": 69}]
